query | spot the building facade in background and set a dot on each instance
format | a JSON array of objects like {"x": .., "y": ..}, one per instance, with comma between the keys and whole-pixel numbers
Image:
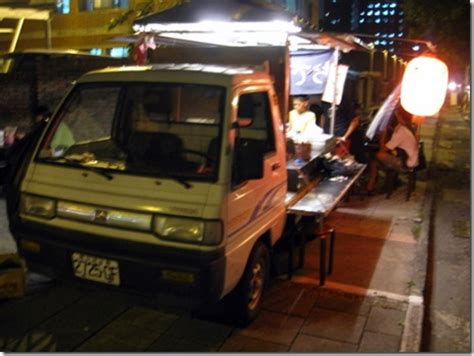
[
  {"x": 82, "y": 24},
  {"x": 383, "y": 19}
]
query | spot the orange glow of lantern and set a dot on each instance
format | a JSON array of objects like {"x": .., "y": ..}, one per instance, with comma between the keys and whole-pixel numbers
[{"x": 424, "y": 86}]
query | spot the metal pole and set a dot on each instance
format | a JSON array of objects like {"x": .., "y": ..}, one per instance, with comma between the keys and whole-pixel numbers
[
  {"x": 333, "y": 106},
  {"x": 16, "y": 35},
  {"x": 48, "y": 34},
  {"x": 385, "y": 57},
  {"x": 394, "y": 74},
  {"x": 371, "y": 62}
]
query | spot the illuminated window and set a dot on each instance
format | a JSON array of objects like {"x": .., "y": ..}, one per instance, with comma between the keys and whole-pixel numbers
[
  {"x": 377, "y": 20},
  {"x": 377, "y": 42},
  {"x": 377, "y": 34},
  {"x": 96, "y": 51},
  {"x": 63, "y": 6},
  {"x": 91, "y": 5},
  {"x": 391, "y": 49},
  {"x": 390, "y": 42},
  {"x": 377, "y": 5},
  {"x": 392, "y": 12},
  {"x": 361, "y": 20},
  {"x": 370, "y": 6},
  {"x": 385, "y": 13},
  {"x": 383, "y": 42},
  {"x": 377, "y": 13},
  {"x": 120, "y": 52},
  {"x": 362, "y": 13},
  {"x": 400, "y": 34},
  {"x": 392, "y": 5},
  {"x": 370, "y": 13}
]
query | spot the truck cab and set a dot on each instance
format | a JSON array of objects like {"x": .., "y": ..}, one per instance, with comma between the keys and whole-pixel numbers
[{"x": 165, "y": 179}]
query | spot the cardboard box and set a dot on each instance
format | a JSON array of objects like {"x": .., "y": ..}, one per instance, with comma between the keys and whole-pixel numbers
[{"x": 12, "y": 276}]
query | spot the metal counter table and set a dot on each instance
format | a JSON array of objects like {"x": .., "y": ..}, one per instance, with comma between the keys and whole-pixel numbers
[{"x": 317, "y": 200}]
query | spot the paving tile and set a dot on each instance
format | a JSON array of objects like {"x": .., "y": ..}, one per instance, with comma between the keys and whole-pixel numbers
[
  {"x": 293, "y": 299},
  {"x": 308, "y": 343},
  {"x": 385, "y": 321},
  {"x": 274, "y": 327},
  {"x": 343, "y": 302},
  {"x": 200, "y": 332},
  {"x": 387, "y": 303},
  {"x": 170, "y": 344},
  {"x": 240, "y": 343},
  {"x": 359, "y": 224},
  {"x": 374, "y": 342},
  {"x": 73, "y": 326},
  {"x": 135, "y": 330},
  {"x": 334, "y": 325}
]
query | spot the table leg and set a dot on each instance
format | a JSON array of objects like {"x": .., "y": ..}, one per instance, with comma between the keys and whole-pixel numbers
[
  {"x": 331, "y": 250},
  {"x": 322, "y": 260}
]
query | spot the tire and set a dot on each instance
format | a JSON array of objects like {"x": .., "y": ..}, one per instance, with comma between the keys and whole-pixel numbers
[{"x": 250, "y": 290}]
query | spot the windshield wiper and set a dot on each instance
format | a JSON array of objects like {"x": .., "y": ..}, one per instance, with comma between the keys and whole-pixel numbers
[
  {"x": 178, "y": 179},
  {"x": 77, "y": 163}
]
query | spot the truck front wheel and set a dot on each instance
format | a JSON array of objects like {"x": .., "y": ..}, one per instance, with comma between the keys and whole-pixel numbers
[{"x": 249, "y": 291}]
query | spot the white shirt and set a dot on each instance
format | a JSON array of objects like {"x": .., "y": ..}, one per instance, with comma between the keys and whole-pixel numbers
[
  {"x": 403, "y": 138},
  {"x": 302, "y": 125}
]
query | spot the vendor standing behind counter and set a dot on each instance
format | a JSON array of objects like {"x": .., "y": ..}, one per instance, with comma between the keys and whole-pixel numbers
[{"x": 346, "y": 128}]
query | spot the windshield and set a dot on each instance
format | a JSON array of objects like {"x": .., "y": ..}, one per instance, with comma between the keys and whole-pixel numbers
[{"x": 164, "y": 130}]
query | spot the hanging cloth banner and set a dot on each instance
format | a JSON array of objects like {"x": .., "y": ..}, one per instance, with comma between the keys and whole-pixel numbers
[
  {"x": 335, "y": 87},
  {"x": 309, "y": 71}
]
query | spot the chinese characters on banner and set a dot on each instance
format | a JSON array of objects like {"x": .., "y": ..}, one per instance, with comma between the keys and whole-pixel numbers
[{"x": 309, "y": 71}]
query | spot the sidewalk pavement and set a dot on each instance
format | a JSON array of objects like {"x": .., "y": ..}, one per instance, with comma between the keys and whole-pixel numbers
[{"x": 372, "y": 302}]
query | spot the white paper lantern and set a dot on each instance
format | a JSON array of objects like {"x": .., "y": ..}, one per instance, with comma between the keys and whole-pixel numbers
[{"x": 424, "y": 86}]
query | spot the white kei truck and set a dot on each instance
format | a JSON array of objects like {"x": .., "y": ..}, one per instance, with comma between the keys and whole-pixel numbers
[{"x": 167, "y": 179}]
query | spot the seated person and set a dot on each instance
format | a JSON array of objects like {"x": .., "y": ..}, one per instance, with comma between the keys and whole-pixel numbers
[
  {"x": 402, "y": 138},
  {"x": 302, "y": 122}
]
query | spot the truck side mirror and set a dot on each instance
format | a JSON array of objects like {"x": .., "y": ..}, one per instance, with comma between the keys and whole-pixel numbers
[{"x": 248, "y": 160}]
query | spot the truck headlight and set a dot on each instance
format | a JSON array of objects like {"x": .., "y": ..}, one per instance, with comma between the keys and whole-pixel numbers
[
  {"x": 188, "y": 230},
  {"x": 38, "y": 206}
]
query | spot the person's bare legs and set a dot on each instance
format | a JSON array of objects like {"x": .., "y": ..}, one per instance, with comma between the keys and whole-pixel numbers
[{"x": 383, "y": 159}]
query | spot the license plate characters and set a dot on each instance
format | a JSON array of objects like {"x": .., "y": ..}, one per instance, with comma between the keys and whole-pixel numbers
[{"x": 96, "y": 269}]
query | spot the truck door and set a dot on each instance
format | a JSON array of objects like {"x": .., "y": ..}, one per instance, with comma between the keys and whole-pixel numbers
[{"x": 256, "y": 206}]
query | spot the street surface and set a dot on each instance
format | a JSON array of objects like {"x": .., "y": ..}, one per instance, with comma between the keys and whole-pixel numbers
[{"x": 448, "y": 318}]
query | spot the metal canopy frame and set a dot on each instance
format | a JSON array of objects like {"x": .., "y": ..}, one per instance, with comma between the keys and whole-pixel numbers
[
  {"x": 169, "y": 27},
  {"x": 21, "y": 15}
]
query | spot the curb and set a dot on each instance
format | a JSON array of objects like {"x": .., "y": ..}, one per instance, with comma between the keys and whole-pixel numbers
[{"x": 412, "y": 332}]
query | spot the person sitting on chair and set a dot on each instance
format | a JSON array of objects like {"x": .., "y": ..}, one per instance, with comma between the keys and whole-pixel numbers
[{"x": 404, "y": 139}]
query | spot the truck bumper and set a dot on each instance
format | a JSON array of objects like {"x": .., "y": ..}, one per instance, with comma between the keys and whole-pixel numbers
[{"x": 181, "y": 277}]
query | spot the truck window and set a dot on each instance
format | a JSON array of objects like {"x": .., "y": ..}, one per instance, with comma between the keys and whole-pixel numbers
[
  {"x": 158, "y": 129},
  {"x": 256, "y": 107}
]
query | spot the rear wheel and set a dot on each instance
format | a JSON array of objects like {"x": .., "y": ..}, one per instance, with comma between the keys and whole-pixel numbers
[{"x": 250, "y": 290}]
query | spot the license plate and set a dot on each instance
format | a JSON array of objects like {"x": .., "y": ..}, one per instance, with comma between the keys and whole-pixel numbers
[{"x": 96, "y": 269}]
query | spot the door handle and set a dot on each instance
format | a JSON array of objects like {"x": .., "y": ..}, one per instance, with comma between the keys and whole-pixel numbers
[{"x": 275, "y": 166}]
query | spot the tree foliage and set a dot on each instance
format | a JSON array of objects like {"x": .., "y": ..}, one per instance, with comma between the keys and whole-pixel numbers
[
  {"x": 144, "y": 9},
  {"x": 446, "y": 24}
]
